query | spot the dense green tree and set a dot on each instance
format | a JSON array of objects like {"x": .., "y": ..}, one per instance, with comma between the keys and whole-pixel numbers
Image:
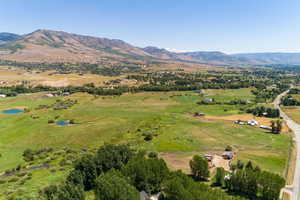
[
  {"x": 199, "y": 167},
  {"x": 181, "y": 187},
  {"x": 146, "y": 174},
  {"x": 219, "y": 177},
  {"x": 254, "y": 183},
  {"x": 65, "y": 191},
  {"x": 114, "y": 186},
  {"x": 276, "y": 126},
  {"x": 112, "y": 157},
  {"x": 86, "y": 166}
]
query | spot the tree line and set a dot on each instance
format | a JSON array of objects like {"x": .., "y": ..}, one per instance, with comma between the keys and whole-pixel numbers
[
  {"x": 262, "y": 111},
  {"x": 116, "y": 172}
]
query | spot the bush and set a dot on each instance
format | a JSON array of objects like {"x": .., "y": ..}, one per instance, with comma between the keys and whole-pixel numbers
[
  {"x": 13, "y": 179},
  {"x": 153, "y": 154},
  {"x": 51, "y": 121},
  {"x": 148, "y": 136},
  {"x": 228, "y": 148},
  {"x": 28, "y": 155}
]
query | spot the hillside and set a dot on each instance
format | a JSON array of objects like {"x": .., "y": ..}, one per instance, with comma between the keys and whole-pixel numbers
[
  {"x": 58, "y": 46},
  {"x": 8, "y": 37}
]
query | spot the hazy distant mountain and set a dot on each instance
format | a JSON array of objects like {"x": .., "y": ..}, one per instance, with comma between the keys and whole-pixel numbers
[
  {"x": 59, "y": 46},
  {"x": 272, "y": 58},
  {"x": 8, "y": 37},
  {"x": 216, "y": 57}
]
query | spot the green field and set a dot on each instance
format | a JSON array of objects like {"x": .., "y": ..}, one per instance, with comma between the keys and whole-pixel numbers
[{"x": 126, "y": 119}]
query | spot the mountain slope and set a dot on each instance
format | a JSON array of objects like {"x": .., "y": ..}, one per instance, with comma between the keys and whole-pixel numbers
[{"x": 58, "y": 46}]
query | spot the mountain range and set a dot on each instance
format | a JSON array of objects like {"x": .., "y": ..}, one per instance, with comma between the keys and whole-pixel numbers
[{"x": 58, "y": 46}]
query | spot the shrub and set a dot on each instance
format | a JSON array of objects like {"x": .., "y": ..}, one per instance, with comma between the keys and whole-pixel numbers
[
  {"x": 153, "y": 154},
  {"x": 51, "y": 121},
  {"x": 13, "y": 179}
]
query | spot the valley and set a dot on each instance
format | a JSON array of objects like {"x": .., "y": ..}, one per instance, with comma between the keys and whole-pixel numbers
[{"x": 160, "y": 121}]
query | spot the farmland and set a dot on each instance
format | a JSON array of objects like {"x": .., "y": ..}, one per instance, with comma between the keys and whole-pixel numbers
[{"x": 129, "y": 118}]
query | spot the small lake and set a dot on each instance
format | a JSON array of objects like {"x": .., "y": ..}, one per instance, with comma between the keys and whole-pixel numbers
[
  {"x": 13, "y": 111},
  {"x": 63, "y": 123}
]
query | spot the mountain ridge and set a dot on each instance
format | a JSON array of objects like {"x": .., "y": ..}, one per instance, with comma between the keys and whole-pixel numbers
[{"x": 51, "y": 46}]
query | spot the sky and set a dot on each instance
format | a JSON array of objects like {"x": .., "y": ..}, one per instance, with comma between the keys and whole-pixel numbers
[{"x": 231, "y": 26}]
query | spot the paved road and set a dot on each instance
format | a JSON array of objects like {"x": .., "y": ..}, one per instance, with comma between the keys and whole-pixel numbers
[{"x": 295, "y": 188}]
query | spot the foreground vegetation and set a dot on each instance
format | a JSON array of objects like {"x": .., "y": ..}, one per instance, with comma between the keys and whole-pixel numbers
[{"x": 116, "y": 172}]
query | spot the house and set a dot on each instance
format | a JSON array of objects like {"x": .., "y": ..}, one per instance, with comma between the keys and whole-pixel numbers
[
  {"x": 145, "y": 196},
  {"x": 209, "y": 157},
  {"x": 2, "y": 95},
  {"x": 228, "y": 155}
]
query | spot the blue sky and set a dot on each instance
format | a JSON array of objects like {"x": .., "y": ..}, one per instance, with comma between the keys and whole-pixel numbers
[{"x": 232, "y": 26}]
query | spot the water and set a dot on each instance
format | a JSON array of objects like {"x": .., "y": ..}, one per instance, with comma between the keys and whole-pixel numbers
[
  {"x": 13, "y": 111},
  {"x": 63, "y": 123}
]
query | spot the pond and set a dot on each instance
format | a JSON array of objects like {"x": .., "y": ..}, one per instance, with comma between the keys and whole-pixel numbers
[
  {"x": 63, "y": 123},
  {"x": 13, "y": 111}
]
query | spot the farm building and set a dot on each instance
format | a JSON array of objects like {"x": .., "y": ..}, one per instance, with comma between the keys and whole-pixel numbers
[
  {"x": 199, "y": 91},
  {"x": 266, "y": 127},
  {"x": 48, "y": 95},
  {"x": 227, "y": 155},
  {"x": 209, "y": 157},
  {"x": 145, "y": 196}
]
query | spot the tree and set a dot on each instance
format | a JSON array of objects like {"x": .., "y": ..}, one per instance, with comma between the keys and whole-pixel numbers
[
  {"x": 65, "y": 191},
  {"x": 112, "y": 157},
  {"x": 249, "y": 165},
  {"x": 240, "y": 165},
  {"x": 219, "y": 177},
  {"x": 86, "y": 166},
  {"x": 179, "y": 186},
  {"x": 146, "y": 174},
  {"x": 199, "y": 167},
  {"x": 276, "y": 126},
  {"x": 75, "y": 177},
  {"x": 28, "y": 155},
  {"x": 113, "y": 186}
]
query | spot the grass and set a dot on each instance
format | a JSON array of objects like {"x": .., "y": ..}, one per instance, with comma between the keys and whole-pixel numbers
[{"x": 125, "y": 119}]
